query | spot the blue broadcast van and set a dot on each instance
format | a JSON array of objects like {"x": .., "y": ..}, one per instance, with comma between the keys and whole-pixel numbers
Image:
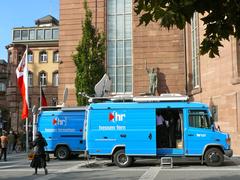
[
  {"x": 128, "y": 129},
  {"x": 63, "y": 128}
]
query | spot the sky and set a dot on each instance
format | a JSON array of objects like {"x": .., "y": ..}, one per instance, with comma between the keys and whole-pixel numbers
[{"x": 18, "y": 13}]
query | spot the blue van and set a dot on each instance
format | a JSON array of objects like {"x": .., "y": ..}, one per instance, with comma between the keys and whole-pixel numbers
[
  {"x": 62, "y": 127},
  {"x": 127, "y": 129}
]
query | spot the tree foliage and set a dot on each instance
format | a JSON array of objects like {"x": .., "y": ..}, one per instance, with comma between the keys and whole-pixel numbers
[
  {"x": 221, "y": 18},
  {"x": 89, "y": 58}
]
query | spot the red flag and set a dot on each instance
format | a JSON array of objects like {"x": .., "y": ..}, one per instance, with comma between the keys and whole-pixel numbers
[
  {"x": 43, "y": 100},
  {"x": 22, "y": 79}
]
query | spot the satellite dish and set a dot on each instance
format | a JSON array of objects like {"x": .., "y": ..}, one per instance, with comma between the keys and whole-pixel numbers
[{"x": 103, "y": 87}]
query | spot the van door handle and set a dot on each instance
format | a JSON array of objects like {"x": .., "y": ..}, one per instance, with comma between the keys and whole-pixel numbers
[
  {"x": 123, "y": 135},
  {"x": 150, "y": 136},
  {"x": 190, "y": 135}
]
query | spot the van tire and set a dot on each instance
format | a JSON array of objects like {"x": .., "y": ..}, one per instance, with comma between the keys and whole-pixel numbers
[
  {"x": 62, "y": 153},
  {"x": 121, "y": 159},
  {"x": 213, "y": 157}
]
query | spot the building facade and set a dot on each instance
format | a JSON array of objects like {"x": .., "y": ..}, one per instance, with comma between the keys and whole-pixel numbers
[
  {"x": 43, "y": 61},
  {"x": 130, "y": 49}
]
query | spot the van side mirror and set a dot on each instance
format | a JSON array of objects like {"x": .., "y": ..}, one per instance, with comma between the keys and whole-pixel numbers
[{"x": 213, "y": 127}]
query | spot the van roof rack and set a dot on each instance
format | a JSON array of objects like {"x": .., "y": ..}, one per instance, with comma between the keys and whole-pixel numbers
[
  {"x": 60, "y": 108},
  {"x": 124, "y": 98},
  {"x": 118, "y": 98},
  {"x": 162, "y": 97}
]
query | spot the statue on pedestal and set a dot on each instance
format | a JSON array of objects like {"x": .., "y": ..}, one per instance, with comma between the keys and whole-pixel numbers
[{"x": 153, "y": 80}]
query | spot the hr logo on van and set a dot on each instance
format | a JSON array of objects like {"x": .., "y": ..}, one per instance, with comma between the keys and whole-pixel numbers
[
  {"x": 114, "y": 116},
  {"x": 57, "y": 121}
]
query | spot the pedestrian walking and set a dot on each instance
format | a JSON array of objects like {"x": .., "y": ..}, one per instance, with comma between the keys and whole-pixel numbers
[
  {"x": 15, "y": 140},
  {"x": 39, "y": 159},
  {"x": 22, "y": 139},
  {"x": 11, "y": 140},
  {"x": 4, "y": 145}
]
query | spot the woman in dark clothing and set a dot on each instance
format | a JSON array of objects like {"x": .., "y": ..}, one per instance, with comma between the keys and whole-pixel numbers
[{"x": 39, "y": 160}]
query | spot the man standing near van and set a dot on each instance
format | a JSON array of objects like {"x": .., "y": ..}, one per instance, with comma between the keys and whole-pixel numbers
[
  {"x": 161, "y": 128},
  {"x": 160, "y": 120},
  {"x": 4, "y": 144}
]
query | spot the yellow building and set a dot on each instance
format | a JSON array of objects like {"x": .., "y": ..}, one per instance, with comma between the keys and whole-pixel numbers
[{"x": 43, "y": 60}]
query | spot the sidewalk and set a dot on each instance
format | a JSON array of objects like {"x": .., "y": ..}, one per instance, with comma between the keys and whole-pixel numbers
[
  {"x": 16, "y": 154},
  {"x": 235, "y": 159}
]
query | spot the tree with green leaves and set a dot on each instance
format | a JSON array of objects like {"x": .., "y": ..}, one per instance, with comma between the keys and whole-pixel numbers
[
  {"x": 221, "y": 18},
  {"x": 89, "y": 58}
]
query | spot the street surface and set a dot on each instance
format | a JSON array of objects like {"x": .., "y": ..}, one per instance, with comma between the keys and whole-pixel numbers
[{"x": 17, "y": 167}]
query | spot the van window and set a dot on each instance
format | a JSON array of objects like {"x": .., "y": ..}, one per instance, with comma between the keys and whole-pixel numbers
[{"x": 199, "y": 119}]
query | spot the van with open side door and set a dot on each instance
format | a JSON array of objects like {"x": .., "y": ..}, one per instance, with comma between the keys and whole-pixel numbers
[
  {"x": 126, "y": 128},
  {"x": 63, "y": 128}
]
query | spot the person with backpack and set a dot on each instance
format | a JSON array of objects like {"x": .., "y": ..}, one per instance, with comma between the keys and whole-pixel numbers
[
  {"x": 4, "y": 145},
  {"x": 39, "y": 159}
]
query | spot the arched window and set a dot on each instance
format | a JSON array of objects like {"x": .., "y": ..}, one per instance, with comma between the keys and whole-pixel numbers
[
  {"x": 55, "y": 56},
  {"x": 43, "y": 57},
  {"x": 195, "y": 51},
  {"x": 43, "y": 78},
  {"x": 119, "y": 45},
  {"x": 30, "y": 57},
  {"x": 30, "y": 79},
  {"x": 55, "y": 81}
]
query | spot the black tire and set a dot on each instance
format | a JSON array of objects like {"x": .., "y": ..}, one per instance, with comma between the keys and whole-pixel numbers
[
  {"x": 62, "y": 153},
  {"x": 214, "y": 157},
  {"x": 121, "y": 159}
]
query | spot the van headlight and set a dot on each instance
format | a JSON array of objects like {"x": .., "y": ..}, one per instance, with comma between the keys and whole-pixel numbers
[{"x": 228, "y": 141}]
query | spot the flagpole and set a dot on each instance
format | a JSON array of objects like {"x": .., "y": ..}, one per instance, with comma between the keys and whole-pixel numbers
[
  {"x": 34, "y": 112},
  {"x": 26, "y": 126},
  {"x": 27, "y": 135},
  {"x": 40, "y": 93}
]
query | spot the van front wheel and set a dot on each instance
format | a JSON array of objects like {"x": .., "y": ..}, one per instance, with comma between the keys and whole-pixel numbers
[
  {"x": 121, "y": 159},
  {"x": 214, "y": 157}
]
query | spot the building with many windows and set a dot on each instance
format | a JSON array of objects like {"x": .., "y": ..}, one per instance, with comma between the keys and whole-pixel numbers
[
  {"x": 175, "y": 54},
  {"x": 3, "y": 84},
  {"x": 43, "y": 61}
]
